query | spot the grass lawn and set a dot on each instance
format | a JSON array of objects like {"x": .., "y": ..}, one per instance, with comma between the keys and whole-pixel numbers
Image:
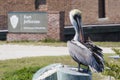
[
  {"x": 23, "y": 69},
  {"x": 26, "y": 67},
  {"x": 108, "y": 44},
  {"x": 58, "y": 43},
  {"x": 44, "y": 43}
]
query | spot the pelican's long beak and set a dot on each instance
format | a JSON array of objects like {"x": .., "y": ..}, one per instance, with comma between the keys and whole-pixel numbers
[{"x": 79, "y": 26}]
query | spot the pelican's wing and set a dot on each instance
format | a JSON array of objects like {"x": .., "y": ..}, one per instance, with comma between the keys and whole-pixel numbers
[
  {"x": 81, "y": 54},
  {"x": 94, "y": 48}
]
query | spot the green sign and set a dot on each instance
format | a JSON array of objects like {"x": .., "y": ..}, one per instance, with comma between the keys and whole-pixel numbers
[{"x": 27, "y": 22}]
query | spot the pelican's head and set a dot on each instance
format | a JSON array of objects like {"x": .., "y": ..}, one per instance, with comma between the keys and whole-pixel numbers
[
  {"x": 75, "y": 18},
  {"x": 73, "y": 15}
]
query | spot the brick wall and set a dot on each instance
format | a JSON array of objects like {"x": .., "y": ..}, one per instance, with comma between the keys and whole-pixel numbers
[
  {"x": 3, "y": 22},
  {"x": 13, "y": 6},
  {"x": 60, "y": 5},
  {"x": 57, "y": 20},
  {"x": 113, "y": 11},
  {"x": 19, "y": 5},
  {"x": 89, "y": 10},
  {"x": 56, "y": 25},
  {"x": 25, "y": 36},
  {"x": 55, "y": 30}
]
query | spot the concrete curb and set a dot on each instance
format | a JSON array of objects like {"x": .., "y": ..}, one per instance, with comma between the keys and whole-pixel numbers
[{"x": 20, "y": 51}]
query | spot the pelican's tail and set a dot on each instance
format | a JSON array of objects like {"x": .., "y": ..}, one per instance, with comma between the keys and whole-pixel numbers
[{"x": 97, "y": 67}]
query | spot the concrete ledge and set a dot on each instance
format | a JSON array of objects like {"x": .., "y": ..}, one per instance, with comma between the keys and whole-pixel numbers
[
  {"x": 115, "y": 57},
  {"x": 60, "y": 72},
  {"x": 69, "y": 74}
]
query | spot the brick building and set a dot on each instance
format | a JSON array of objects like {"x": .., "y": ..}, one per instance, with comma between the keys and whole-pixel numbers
[{"x": 96, "y": 15}]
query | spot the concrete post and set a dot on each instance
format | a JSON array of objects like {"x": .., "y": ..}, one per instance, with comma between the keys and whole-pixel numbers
[
  {"x": 61, "y": 72},
  {"x": 67, "y": 74}
]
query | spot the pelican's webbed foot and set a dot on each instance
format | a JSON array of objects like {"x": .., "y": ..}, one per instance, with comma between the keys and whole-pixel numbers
[
  {"x": 79, "y": 69},
  {"x": 83, "y": 70}
]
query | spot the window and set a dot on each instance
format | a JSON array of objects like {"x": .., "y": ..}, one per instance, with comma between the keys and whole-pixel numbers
[
  {"x": 101, "y": 8},
  {"x": 39, "y": 2}
]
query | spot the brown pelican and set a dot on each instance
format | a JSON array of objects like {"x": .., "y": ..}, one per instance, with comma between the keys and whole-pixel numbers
[{"x": 85, "y": 53}]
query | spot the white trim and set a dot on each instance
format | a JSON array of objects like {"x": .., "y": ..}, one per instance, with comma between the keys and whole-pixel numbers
[
  {"x": 3, "y": 30},
  {"x": 103, "y": 19},
  {"x": 96, "y": 25}
]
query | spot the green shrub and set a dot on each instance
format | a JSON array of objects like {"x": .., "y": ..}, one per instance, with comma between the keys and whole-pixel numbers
[
  {"x": 22, "y": 74},
  {"x": 117, "y": 51},
  {"x": 114, "y": 70},
  {"x": 49, "y": 40},
  {"x": 113, "y": 66}
]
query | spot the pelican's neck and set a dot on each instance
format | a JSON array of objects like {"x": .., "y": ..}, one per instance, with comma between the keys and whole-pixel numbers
[{"x": 77, "y": 35}]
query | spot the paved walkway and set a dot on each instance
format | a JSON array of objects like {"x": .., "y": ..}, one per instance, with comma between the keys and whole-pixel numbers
[{"x": 20, "y": 51}]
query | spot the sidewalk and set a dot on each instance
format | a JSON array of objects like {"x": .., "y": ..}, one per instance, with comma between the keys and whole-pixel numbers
[{"x": 20, "y": 51}]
